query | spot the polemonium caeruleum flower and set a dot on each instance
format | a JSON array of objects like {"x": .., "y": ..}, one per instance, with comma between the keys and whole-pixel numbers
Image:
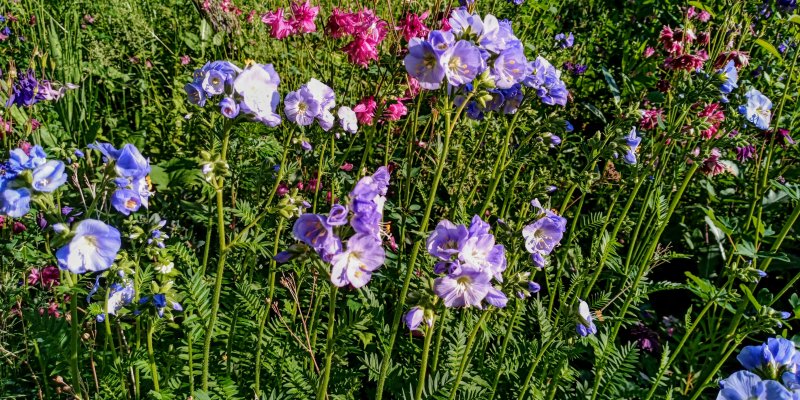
[
  {"x": 565, "y": 40},
  {"x": 49, "y": 176},
  {"x": 119, "y": 296},
  {"x": 792, "y": 380},
  {"x": 20, "y": 160},
  {"x": 93, "y": 247},
  {"x": 314, "y": 230},
  {"x": 441, "y": 41},
  {"x": 195, "y": 94},
  {"x": 228, "y": 107},
  {"x": 131, "y": 163},
  {"x": 757, "y": 109},
  {"x": 463, "y": 23},
  {"x": 546, "y": 80},
  {"x": 446, "y": 240},
  {"x": 355, "y": 265},
  {"x": 126, "y": 201},
  {"x": 497, "y": 36},
  {"x": 770, "y": 359},
  {"x": 422, "y": 62},
  {"x": 15, "y": 201},
  {"x": 257, "y": 86},
  {"x": 745, "y": 385},
  {"x": 347, "y": 119},
  {"x": 585, "y": 325},
  {"x": 160, "y": 302},
  {"x": 544, "y": 234},
  {"x": 481, "y": 252},
  {"x": 510, "y": 67},
  {"x": 632, "y": 141},
  {"x": 468, "y": 288},
  {"x": 729, "y": 77},
  {"x": 300, "y": 107},
  {"x": 326, "y": 98},
  {"x": 367, "y": 200},
  {"x": 462, "y": 63},
  {"x": 414, "y": 318},
  {"x": 338, "y": 215}
]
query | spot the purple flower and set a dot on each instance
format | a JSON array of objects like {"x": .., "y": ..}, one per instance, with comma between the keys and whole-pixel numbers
[
  {"x": 258, "y": 87},
  {"x": 496, "y": 298},
  {"x": 554, "y": 140},
  {"x": 565, "y": 40},
  {"x": 744, "y": 153},
  {"x": 347, "y": 119},
  {"x": 131, "y": 163},
  {"x": 546, "y": 80},
  {"x": 770, "y": 358},
  {"x": 463, "y": 23},
  {"x": 26, "y": 91},
  {"x": 195, "y": 94},
  {"x": 497, "y": 36},
  {"x": 462, "y": 63},
  {"x": 510, "y": 67},
  {"x": 422, "y": 62},
  {"x": 324, "y": 96},
  {"x": 743, "y": 385},
  {"x": 228, "y": 107},
  {"x": 314, "y": 230},
  {"x": 467, "y": 289},
  {"x": 440, "y": 41},
  {"x": 544, "y": 234},
  {"x": 119, "y": 296},
  {"x": 367, "y": 200},
  {"x": 300, "y": 107},
  {"x": 14, "y": 201},
  {"x": 93, "y": 248},
  {"x": 338, "y": 215},
  {"x": 213, "y": 83},
  {"x": 729, "y": 77},
  {"x": 446, "y": 240},
  {"x": 585, "y": 326},
  {"x": 355, "y": 265},
  {"x": 534, "y": 287},
  {"x": 512, "y": 98},
  {"x": 481, "y": 253},
  {"x": 414, "y": 318},
  {"x": 632, "y": 141}
]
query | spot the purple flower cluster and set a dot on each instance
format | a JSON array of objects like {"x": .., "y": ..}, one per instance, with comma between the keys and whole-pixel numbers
[
  {"x": 364, "y": 253},
  {"x": 27, "y": 91},
  {"x": 546, "y": 80},
  {"x": 133, "y": 183},
  {"x": 765, "y": 366},
  {"x": 544, "y": 234},
  {"x": 632, "y": 141},
  {"x": 252, "y": 91},
  {"x": 470, "y": 259},
  {"x": 26, "y": 173},
  {"x": 313, "y": 101}
]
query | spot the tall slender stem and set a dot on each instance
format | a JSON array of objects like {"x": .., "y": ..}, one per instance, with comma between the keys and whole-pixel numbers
[
  {"x": 322, "y": 392},
  {"x": 398, "y": 313},
  {"x": 221, "y": 262},
  {"x": 500, "y": 360},
  {"x": 467, "y": 350},
  {"x": 74, "y": 336},
  {"x": 151, "y": 356},
  {"x": 423, "y": 364}
]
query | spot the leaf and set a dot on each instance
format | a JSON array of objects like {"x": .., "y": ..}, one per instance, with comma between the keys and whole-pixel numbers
[
  {"x": 750, "y": 297},
  {"x": 795, "y": 19},
  {"x": 612, "y": 85},
  {"x": 594, "y": 110},
  {"x": 770, "y": 48}
]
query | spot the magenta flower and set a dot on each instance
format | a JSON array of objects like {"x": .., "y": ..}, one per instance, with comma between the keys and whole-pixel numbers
[
  {"x": 365, "y": 110},
  {"x": 303, "y": 16},
  {"x": 411, "y": 26},
  {"x": 341, "y": 24},
  {"x": 395, "y": 111},
  {"x": 280, "y": 27}
]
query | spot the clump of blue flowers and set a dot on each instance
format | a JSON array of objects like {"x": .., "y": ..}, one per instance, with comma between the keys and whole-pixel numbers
[
  {"x": 766, "y": 365},
  {"x": 26, "y": 175},
  {"x": 132, "y": 181}
]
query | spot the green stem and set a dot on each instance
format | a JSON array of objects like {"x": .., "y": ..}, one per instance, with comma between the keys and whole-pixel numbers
[
  {"x": 220, "y": 263},
  {"x": 322, "y": 392},
  {"x": 501, "y": 359},
  {"x": 467, "y": 350},
  {"x": 151, "y": 356},
  {"x": 74, "y": 336},
  {"x": 263, "y": 322},
  {"x": 398, "y": 313},
  {"x": 677, "y": 350},
  {"x": 423, "y": 364},
  {"x": 439, "y": 334},
  {"x": 533, "y": 368},
  {"x": 713, "y": 372},
  {"x": 497, "y": 174}
]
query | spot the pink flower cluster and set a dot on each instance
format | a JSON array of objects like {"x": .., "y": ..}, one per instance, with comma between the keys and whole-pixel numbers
[
  {"x": 703, "y": 15},
  {"x": 225, "y": 6},
  {"x": 48, "y": 277},
  {"x": 711, "y": 117},
  {"x": 676, "y": 43},
  {"x": 301, "y": 20},
  {"x": 650, "y": 118},
  {"x": 412, "y": 26},
  {"x": 366, "y": 30}
]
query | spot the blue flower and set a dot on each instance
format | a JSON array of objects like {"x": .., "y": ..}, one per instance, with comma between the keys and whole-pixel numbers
[
  {"x": 314, "y": 230},
  {"x": 632, "y": 141},
  {"x": 462, "y": 63},
  {"x": 585, "y": 325},
  {"x": 258, "y": 87},
  {"x": 126, "y": 201},
  {"x": 568, "y": 126},
  {"x": 757, "y": 109},
  {"x": 771, "y": 358},
  {"x": 131, "y": 163},
  {"x": 510, "y": 67},
  {"x": 229, "y": 108},
  {"x": 546, "y": 80},
  {"x": 161, "y": 302},
  {"x": 14, "y": 201},
  {"x": 300, "y": 107},
  {"x": 93, "y": 248},
  {"x": 565, "y": 40},
  {"x": 20, "y": 160},
  {"x": 49, "y": 176},
  {"x": 729, "y": 77},
  {"x": 118, "y": 296},
  {"x": 745, "y": 385},
  {"x": 195, "y": 94}
]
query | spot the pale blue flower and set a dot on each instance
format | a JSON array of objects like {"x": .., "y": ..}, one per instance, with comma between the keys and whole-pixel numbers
[
  {"x": 757, "y": 109},
  {"x": 49, "y": 176},
  {"x": 93, "y": 248}
]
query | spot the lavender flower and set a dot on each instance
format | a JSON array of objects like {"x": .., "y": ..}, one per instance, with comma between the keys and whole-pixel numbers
[
  {"x": 585, "y": 325},
  {"x": 467, "y": 289},
  {"x": 565, "y": 41},
  {"x": 367, "y": 200},
  {"x": 414, "y": 318},
  {"x": 757, "y": 109},
  {"x": 462, "y": 63},
  {"x": 510, "y": 67},
  {"x": 632, "y": 141},
  {"x": 93, "y": 248},
  {"x": 300, "y": 107},
  {"x": 544, "y": 234},
  {"x": 355, "y": 265},
  {"x": 257, "y": 86},
  {"x": 746, "y": 385},
  {"x": 446, "y": 240},
  {"x": 729, "y": 77},
  {"x": 49, "y": 176},
  {"x": 314, "y": 230},
  {"x": 348, "y": 119},
  {"x": 126, "y": 201},
  {"x": 422, "y": 62},
  {"x": 229, "y": 108},
  {"x": 338, "y": 215}
]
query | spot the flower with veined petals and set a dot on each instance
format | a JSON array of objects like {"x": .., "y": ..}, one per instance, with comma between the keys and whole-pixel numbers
[
  {"x": 411, "y": 26},
  {"x": 303, "y": 16},
  {"x": 258, "y": 87},
  {"x": 757, "y": 109},
  {"x": 347, "y": 119},
  {"x": 422, "y": 63},
  {"x": 355, "y": 265},
  {"x": 466, "y": 289},
  {"x": 93, "y": 248}
]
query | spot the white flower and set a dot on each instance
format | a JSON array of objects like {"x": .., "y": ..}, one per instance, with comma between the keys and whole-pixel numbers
[{"x": 165, "y": 268}]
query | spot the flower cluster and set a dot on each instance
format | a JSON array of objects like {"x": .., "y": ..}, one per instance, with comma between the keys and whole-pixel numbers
[
  {"x": 133, "y": 181},
  {"x": 301, "y": 20},
  {"x": 27, "y": 91},
  {"x": 544, "y": 234},
  {"x": 313, "y": 101},
  {"x": 766, "y": 365},
  {"x": 366, "y": 32},
  {"x": 546, "y": 80},
  {"x": 364, "y": 253},
  {"x": 470, "y": 259},
  {"x": 27, "y": 173},
  {"x": 632, "y": 141},
  {"x": 119, "y": 296},
  {"x": 252, "y": 91}
]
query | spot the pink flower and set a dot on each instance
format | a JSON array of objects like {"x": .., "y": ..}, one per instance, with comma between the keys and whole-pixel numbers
[
  {"x": 650, "y": 118},
  {"x": 712, "y": 165},
  {"x": 703, "y": 38},
  {"x": 365, "y": 110},
  {"x": 282, "y": 189},
  {"x": 361, "y": 51},
  {"x": 704, "y": 16},
  {"x": 89, "y": 19},
  {"x": 341, "y": 24},
  {"x": 395, "y": 111},
  {"x": 740, "y": 59},
  {"x": 413, "y": 88},
  {"x": 185, "y": 60},
  {"x": 687, "y": 62},
  {"x": 691, "y": 12},
  {"x": 5, "y": 127},
  {"x": 33, "y": 277},
  {"x": 35, "y": 124},
  {"x": 303, "y": 16},
  {"x": 281, "y": 28},
  {"x": 346, "y": 167},
  {"x": 251, "y": 16},
  {"x": 18, "y": 227},
  {"x": 446, "y": 24},
  {"x": 50, "y": 276},
  {"x": 206, "y": 5},
  {"x": 412, "y": 26},
  {"x": 648, "y": 52},
  {"x": 371, "y": 27}
]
